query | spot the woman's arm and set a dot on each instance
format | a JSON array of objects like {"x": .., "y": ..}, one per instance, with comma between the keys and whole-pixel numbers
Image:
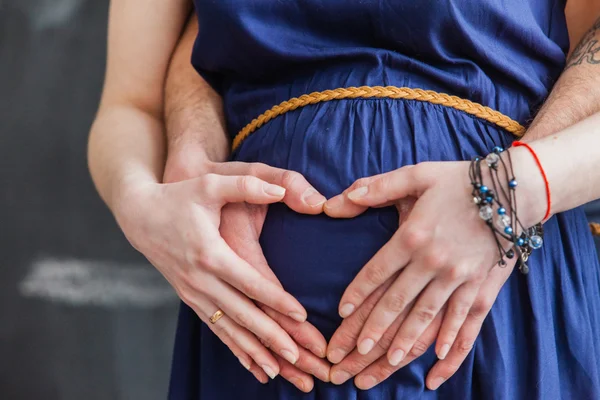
[
  {"x": 197, "y": 143},
  {"x": 176, "y": 226},
  {"x": 126, "y": 141}
]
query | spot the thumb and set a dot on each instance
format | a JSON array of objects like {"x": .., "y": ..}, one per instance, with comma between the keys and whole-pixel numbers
[{"x": 388, "y": 188}]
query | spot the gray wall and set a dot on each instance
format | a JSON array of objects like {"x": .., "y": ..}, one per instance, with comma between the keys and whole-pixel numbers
[{"x": 82, "y": 316}]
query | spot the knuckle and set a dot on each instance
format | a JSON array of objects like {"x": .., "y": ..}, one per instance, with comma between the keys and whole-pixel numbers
[
  {"x": 383, "y": 370},
  {"x": 464, "y": 346},
  {"x": 355, "y": 365},
  {"x": 426, "y": 314},
  {"x": 416, "y": 237},
  {"x": 268, "y": 341},
  {"x": 346, "y": 338},
  {"x": 375, "y": 274},
  {"x": 459, "y": 310},
  {"x": 396, "y": 302},
  {"x": 418, "y": 349},
  {"x": 435, "y": 260},
  {"x": 244, "y": 320},
  {"x": 187, "y": 297},
  {"x": 245, "y": 183},
  {"x": 482, "y": 306},
  {"x": 251, "y": 288},
  {"x": 289, "y": 178},
  {"x": 456, "y": 273}
]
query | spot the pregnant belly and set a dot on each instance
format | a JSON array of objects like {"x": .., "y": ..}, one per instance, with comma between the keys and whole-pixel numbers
[{"x": 332, "y": 145}]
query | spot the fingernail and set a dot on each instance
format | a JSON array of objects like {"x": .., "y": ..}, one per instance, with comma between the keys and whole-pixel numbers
[
  {"x": 322, "y": 374},
  {"x": 297, "y": 316},
  {"x": 244, "y": 363},
  {"x": 358, "y": 193},
  {"x": 273, "y": 190},
  {"x": 289, "y": 356},
  {"x": 298, "y": 383},
  {"x": 346, "y": 310},
  {"x": 396, "y": 357},
  {"x": 269, "y": 371},
  {"x": 313, "y": 198},
  {"x": 444, "y": 351},
  {"x": 367, "y": 382},
  {"x": 366, "y": 346},
  {"x": 437, "y": 382},
  {"x": 336, "y": 356},
  {"x": 317, "y": 351},
  {"x": 339, "y": 377},
  {"x": 334, "y": 203}
]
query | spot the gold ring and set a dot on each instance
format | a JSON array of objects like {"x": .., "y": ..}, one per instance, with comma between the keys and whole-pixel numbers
[{"x": 216, "y": 316}]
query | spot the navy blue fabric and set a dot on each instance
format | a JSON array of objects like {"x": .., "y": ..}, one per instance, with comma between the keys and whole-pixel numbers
[{"x": 540, "y": 340}]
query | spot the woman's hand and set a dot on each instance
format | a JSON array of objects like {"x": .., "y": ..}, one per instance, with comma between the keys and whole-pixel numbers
[
  {"x": 374, "y": 368},
  {"x": 176, "y": 226},
  {"x": 442, "y": 253}
]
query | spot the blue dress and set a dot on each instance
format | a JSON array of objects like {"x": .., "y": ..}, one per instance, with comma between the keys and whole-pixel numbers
[{"x": 541, "y": 339}]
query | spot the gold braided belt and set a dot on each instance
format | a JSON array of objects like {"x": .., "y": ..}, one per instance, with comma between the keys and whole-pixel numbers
[{"x": 390, "y": 92}]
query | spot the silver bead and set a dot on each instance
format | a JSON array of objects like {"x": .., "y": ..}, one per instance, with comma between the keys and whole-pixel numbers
[
  {"x": 492, "y": 159},
  {"x": 536, "y": 242},
  {"x": 502, "y": 221},
  {"x": 486, "y": 213}
]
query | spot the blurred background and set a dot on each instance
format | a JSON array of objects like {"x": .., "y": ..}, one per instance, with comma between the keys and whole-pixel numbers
[{"x": 82, "y": 315}]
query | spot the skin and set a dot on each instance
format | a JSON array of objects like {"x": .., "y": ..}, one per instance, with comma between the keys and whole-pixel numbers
[
  {"x": 127, "y": 159},
  {"x": 176, "y": 225},
  {"x": 469, "y": 300}
]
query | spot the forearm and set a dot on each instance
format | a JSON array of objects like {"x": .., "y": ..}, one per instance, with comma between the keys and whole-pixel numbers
[
  {"x": 126, "y": 140},
  {"x": 193, "y": 114},
  {"x": 571, "y": 161},
  {"x": 126, "y": 145},
  {"x": 575, "y": 95}
]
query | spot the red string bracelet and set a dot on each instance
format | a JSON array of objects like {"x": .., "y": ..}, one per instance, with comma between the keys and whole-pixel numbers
[{"x": 539, "y": 164}]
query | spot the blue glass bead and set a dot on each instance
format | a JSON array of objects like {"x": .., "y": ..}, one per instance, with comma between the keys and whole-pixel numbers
[
  {"x": 512, "y": 184},
  {"x": 536, "y": 242},
  {"x": 483, "y": 189},
  {"x": 489, "y": 199},
  {"x": 520, "y": 242},
  {"x": 508, "y": 230},
  {"x": 498, "y": 149},
  {"x": 501, "y": 211}
]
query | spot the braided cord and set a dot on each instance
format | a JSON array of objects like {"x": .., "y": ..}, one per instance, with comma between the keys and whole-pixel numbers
[{"x": 390, "y": 92}]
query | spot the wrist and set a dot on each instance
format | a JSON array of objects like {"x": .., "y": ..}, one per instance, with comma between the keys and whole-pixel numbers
[
  {"x": 532, "y": 200},
  {"x": 187, "y": 161}
]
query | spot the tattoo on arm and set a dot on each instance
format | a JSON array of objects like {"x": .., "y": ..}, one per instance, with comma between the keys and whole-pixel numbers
[{"x": 588, "y": 50}]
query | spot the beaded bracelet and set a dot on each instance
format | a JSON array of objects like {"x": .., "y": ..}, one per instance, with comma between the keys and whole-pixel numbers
[{"x": 506, "y": 224}]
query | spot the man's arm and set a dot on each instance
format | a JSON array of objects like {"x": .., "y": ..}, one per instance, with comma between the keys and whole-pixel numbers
[
  {"x": 194, "y": 118},
  {"x": 576, "y": 94}
]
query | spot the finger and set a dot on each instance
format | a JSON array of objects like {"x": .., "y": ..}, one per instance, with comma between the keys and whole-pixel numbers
[
  {"x": 300, "y": 195},
  {"x": 341, "y": 207},
  {"x": 381, "y": 369},
  {"x": 458, "y": 308},
  {"x": 227, "y": 265},
  {"x": 231, "y": 333},
  {"x": 313, "y": 365},
  {"x": 344, "y": 339},
  {"x": 444, "y": 369},
  {"x": 300, "y": 379},
  {"x": 245, "y": 313},
  {"x": 391, "y": 258},
  {"x": 303, "y": 333},
  {"x": 222, "y": 189},
  {"x": 241, "y": 232},
  {"x": 355, "y": 362},
  {"x": 391, "y": 186},
  {"x": 425, "y": 310},
  {"x": 409, "y": 284}
]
